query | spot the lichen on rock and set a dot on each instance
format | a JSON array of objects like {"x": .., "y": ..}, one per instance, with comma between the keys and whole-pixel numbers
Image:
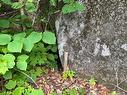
[{"x": 96, "y": 39}]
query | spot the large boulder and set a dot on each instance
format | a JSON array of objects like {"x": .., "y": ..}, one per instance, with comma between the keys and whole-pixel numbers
[{"x": 96, "y": 40}]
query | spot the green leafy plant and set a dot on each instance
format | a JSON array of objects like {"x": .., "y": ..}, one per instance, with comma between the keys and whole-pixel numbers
[
  {"x": 19, "y": 42},
  {"x": 42, "y": 55},
  {"x": 21, "y": 62},
  {"x": 18, "y": 91},
  {"x": 6, "y": 62},
  {"x": 11, "y": 84},
  {"x": 68, "y": 74},
  {"x": 72, "y": 91},
  {"x": 72, "y": 6},
  {"x": 32, "y": 91},
  {"x": 92, "y": 82},
  {"x": 7, "y": 75},
  {"x": 49, "y": 37},
  {"x": 82, "y": 91}
]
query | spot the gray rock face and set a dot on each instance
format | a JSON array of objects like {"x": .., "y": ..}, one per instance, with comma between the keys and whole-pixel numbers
[{"x": 96, "y": 40}]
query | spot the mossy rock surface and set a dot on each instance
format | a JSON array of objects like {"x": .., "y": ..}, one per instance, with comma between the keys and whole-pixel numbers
[{"x": 96, "y": 40}]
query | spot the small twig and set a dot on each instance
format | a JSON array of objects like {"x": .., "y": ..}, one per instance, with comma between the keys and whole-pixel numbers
[
  {"x": 117, "y": 79},
  {"x": 27, "y": 76},
  {"x": 122, "y": 81},
  {"x": 118, "y": 87},
  {"x": 1, "y": 15},
  {"x": 47, "y": 22},
  {"x": 22, "y": 13},
  {"x": 49, "y": 15},
  {"x": 70, "y": 85},
  {"x": 34, "y": 18},
  {"x": 65, "y": 67}
]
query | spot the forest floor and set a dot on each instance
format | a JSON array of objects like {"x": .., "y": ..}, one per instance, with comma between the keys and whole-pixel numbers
[{"x": 54, "y": 82}]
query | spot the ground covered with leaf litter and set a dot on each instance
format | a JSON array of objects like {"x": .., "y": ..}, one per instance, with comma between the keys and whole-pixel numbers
[{"x": 53, "y": 82}]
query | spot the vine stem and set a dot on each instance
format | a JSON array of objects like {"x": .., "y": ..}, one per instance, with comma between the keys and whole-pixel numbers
[
  {"x": 22, "y": 13},
  {"x": 7, "y": 13},
  {"x": 27, "y": 76},
  {"x": 36, "y": 14}
]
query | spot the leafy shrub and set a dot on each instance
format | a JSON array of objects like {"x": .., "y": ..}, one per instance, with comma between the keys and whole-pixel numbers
[
  {"x": 68, "y": 74},
  {"x": 43, "y": 55},
  {"x": 16, "y": 44}
]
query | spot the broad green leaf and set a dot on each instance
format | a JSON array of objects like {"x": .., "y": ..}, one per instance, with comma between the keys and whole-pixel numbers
[
  {"x": 27, "y": 45},
  {"x": 48, "y": 37},
  {"x": 7, "y": 75},
  {"x": 18, "y": 91},
  {"x": 19, "y": 37},
  {"x": 10, "y": 85},
  {"x": 22, "y": 58},
  {"x": 17, "y": 5},
  {"x": 9, "y": 58},
  {"x": 30, "y": 7},
  {"x": 21, "y": 65},
  {"x": 34, "y": 37},
  {"x": 69, "y": 8},
  {"x": 4, "y": 23},
  {"x": 37, "y": 92},
  {"x": 3, "y": 67},
  {"x": 4, "y": 39},
  {"x": 15, "y": 46},
  {"x": 68, "y": 1}
]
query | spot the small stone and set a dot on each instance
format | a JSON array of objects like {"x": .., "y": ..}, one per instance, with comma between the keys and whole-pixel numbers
[
  {"x": 124, "y": 46},
  {"x": 105, "y": 50}
]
